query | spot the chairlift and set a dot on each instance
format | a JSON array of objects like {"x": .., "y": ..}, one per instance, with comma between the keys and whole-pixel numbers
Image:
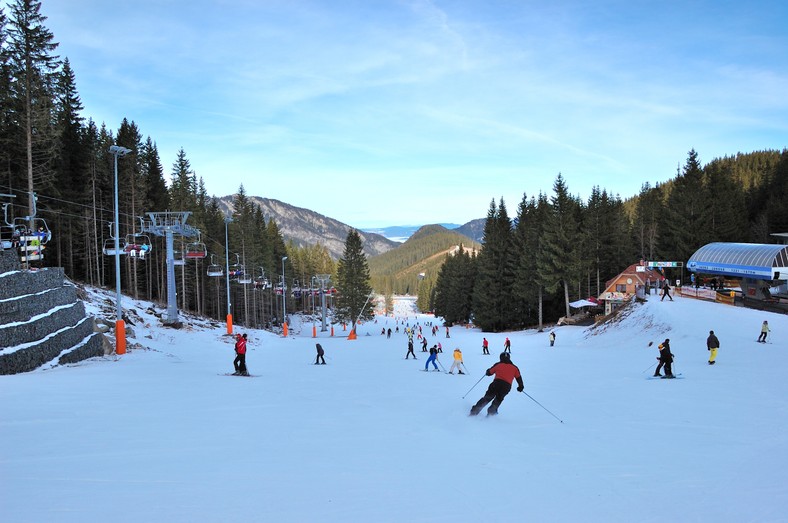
[
  {"x": 281, "y": 287},
  {"x": 138, "y": 245},
  {"x": 296, "y": 292},
  {"x": 109, "y": 244},
  {"x": 32, "y": 239},
  {"x": 261, "y": 282},
  {"x": 196, "y": 250},
  {"x": 214, "y": 269}
]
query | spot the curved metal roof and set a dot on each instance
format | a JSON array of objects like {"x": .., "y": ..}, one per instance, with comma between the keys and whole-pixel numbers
[{"x": 754, "y": 260}]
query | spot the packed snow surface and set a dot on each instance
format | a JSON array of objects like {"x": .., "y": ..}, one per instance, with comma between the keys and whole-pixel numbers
[{"x": 161, "y": 435}]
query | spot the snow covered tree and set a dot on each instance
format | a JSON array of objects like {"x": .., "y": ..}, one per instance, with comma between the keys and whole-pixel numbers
[{"x": 353, "y": 282}]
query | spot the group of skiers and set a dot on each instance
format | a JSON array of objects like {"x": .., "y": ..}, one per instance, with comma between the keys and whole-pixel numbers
[{"x": 504, "y": 370}]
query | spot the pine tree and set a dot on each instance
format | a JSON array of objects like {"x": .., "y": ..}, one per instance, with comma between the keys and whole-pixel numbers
[
  {"x": 353, "y": 282},
  {"x": 687, "y": 212},
  {"x": 492, "y": 295},
  {"x": 33, "y": 65},
  {"x": 560, "y": 260}
]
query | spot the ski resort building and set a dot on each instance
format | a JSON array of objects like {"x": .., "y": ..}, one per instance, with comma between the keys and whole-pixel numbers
[{"x": 637, "y": 279}]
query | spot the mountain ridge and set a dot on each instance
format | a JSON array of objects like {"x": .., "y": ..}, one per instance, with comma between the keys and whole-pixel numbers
[{"x": 304, "y": 227}]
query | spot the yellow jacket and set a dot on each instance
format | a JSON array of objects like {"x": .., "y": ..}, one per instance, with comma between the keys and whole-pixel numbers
[{"x": 457, "y": 355}]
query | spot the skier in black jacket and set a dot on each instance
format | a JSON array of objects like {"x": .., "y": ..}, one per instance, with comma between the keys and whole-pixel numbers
[
  {"x": 665, "y": 359},
  {"x": 320, "y": 353}
]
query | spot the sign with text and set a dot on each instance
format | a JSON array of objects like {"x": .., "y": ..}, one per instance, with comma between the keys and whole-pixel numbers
[{"x": 664, "y": 264}]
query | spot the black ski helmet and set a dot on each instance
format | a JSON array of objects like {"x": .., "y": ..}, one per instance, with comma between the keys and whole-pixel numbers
[{"x": 505, "y": 357}]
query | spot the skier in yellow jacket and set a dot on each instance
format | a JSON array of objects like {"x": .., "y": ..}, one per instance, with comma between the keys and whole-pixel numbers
[{"x": 457, "y": 362}]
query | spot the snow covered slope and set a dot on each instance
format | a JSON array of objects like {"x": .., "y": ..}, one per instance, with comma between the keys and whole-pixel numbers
[{"x": 161, "y": 435}]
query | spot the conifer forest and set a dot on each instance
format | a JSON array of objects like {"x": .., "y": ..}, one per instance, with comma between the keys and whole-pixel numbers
[{"x": 57, "y": 172}]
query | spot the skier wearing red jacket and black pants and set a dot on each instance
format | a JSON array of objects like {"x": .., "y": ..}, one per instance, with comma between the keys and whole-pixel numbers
[
  {"x": 240, "y": 356},
  {"x": 505, "y": 372}
]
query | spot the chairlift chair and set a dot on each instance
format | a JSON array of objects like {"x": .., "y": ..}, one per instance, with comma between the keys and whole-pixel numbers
[
  {"x": 196, "y": 250},
  {"x": 296, "y": 292},
  {"x": 138, "y": 245},
  {"x": 214, "y": 269},
  {"x": 109, "y": 244}
]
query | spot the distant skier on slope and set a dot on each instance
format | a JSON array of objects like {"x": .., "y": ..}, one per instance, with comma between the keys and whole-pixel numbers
[
  {"x": 507, "y": 345},
  {"x": 410, "y": 350},
  {"x": 320, "y": 354},
  {"x": 431, "y": 359},
  {"x": 457, "y": 362},
  {"x": 665, "y": 359},
  {"x": 485, "y": 346},
  {"x": 666, "y": 290},
  {"x": 505, "y": 372},
  {"x": 764, "y": 332},
  {"x": 552, "y": 338},
  {"x": 712, "y": 344},
  {"x": 240, "y": 356}
]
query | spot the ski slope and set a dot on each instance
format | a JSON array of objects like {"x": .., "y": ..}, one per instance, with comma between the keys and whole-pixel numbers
[{"x": 160, "y": 435}]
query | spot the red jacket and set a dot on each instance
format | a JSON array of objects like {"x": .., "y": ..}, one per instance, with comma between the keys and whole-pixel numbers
[
  {"x": 240, "y": 346},
  {"x": 507, "y": 372}
]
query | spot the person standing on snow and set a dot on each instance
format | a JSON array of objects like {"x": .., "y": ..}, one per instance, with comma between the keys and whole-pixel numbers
[
  {"x": 552, "y": 338},
  {"x": 665, "y": 359},
  {"x": 431, "y": 359},
  {"x": 447, "y": 332},
  {"x": 240, "y": 356},
  {"x": 410, "y": 350},
  {"x": 485, "y": 346},
  {"x": 666, "y": 291},
  {"x": 457, "y": 362},
  {"x": 507, "y": 345},
  {"x": 712, "y": 344},
  {"x": 764, "y": 332},
  {"x": 320, "y": 353},
  {"x": 424, "y": 344},
  {"x": 505, "y": 372}
]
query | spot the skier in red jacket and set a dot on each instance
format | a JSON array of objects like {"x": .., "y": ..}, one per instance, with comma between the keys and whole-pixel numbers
[
  {"x": 505, "y": 372},
  {"x": 240, "y": 356}
]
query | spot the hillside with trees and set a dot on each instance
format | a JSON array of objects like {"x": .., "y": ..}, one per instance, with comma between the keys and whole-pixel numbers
[
  {"x": 412, "y": 268},
  {"x": 555, "y": 248}
]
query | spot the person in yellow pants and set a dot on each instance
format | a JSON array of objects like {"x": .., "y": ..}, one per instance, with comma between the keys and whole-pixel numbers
[{"x": 712, "y": 344}]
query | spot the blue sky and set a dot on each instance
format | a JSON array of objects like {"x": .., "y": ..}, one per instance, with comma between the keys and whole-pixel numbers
[{"x": 408, "y": 112}]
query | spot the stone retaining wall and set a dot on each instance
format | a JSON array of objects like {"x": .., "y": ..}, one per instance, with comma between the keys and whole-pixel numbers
[{"x": 41, "y": 319}]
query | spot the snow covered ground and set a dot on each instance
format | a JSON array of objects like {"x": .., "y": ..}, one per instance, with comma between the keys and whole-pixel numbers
[{"x": 159, "y": 435}]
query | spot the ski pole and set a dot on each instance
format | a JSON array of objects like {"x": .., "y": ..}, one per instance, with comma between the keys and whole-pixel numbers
[
  {"x": 653, "y": 364},
  {"x": 553, "y": 415},
  {"x": 474, "y": 386},
  {"x": 466, "y": 368},
  {"x": 441, "y": 364}
]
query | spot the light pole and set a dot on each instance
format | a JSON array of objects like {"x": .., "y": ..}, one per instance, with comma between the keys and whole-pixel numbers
[
  {"x": 120, "y": 326},
  {"x": 284, "y": 298},
  {"x": 227, "y": 274}
]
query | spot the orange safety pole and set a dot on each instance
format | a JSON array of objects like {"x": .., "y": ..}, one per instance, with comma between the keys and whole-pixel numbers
[
  {"x": 352, "y": 335},
  {"x": 314, "y": 331},
  {"x": 332, "y": 331},
  {"x": 284, "y": 331},
  {"x": 229, "y": 324},
  {"x": 120, "y": 337}
]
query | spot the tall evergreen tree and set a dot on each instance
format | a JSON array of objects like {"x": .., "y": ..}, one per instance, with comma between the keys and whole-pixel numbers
[
  {"x": 492, "y": 295},
  {"x": 560, "y": 262},
  {"x": 353, "y": 282},
  {"x": 687, "y": 211},
  {"x": 33, "y": 65}
]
